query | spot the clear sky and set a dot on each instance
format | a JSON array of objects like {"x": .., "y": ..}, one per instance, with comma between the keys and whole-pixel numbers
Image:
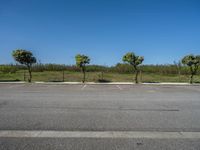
[{"x": 56, "y": 30}]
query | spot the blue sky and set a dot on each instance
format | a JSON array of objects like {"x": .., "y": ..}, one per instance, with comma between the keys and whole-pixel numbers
[{"x": 56, "y": 30}]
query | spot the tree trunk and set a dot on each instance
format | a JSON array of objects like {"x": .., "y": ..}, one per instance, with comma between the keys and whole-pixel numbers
[
  {"x": 83, "y": 70},
  {"x": 30, "y": 74},
  {"x": 136, "y": 76},
  {"x": 140, "y": 76},
  {"x": 193, "y": 72},
  {"x": 84, "y": 77},
  {"x": 24, "y": 75},
  {"x": 191, "y": 78},
  {"x": 136, "y": 73}
]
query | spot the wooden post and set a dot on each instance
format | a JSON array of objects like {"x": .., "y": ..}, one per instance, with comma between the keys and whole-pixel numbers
[{"x": 63, "y": 75}]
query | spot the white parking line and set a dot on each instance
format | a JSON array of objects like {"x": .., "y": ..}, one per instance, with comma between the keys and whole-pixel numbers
[
  {"x": 119, "y": 87},
  {"x": 52, "y": 85},
  {"x": 99, "y": 134},
  {"x": 151, "y": 91},
  {"x": 83, "y": 87}
]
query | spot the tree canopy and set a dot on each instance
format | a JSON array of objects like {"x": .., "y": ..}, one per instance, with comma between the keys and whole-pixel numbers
[
  {"x": 191, "y": 60},
  {"x": 24, "y": 57},
  {"x": 133, "y": 59},
  {"x": 82, "y": 60}
]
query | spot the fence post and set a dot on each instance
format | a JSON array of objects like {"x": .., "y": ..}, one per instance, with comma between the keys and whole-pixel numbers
[{"x": 63, "y": 75}]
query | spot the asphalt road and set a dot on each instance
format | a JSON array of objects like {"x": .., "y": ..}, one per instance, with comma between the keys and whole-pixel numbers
[{"x": 106, "y": 109}]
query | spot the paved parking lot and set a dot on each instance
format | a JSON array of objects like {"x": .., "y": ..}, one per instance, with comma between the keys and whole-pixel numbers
[{"x": 124, "y": 117}]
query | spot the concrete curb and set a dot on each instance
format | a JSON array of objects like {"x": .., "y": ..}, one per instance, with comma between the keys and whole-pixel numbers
[
  {"x": 87, "y": 83},
  {"x": 110, "y": 83}
]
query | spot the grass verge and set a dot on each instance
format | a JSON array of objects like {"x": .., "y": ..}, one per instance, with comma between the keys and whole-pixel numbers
[{"x": 57, "y": 76}]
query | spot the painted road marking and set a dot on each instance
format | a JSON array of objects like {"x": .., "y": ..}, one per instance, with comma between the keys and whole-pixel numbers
[
  {"x": 151, "y": 91},
  {"x": 83, "y": 87},
  {"x": 98, "y": 134},
  {"x": 119, "y": 87}
]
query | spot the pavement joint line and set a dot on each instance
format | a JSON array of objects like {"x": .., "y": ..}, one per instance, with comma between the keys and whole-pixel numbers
[
  {"x": 16, "y": 85},
  {"x": 98, "y": 134},
  {"x": 98, "y": 109},
  {"x": 84, "y": 87},
  {"x": 119, "y": 87}
]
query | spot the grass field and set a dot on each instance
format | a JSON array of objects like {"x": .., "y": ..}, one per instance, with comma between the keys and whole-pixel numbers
[{"x": 57, "y": 76}]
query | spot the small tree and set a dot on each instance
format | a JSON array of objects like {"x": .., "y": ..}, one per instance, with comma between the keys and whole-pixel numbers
[
  {"x": 133, "y": 60},
  {"x": 26, "y": 58},
  {"x": 81, "y": 61},
  {"x": 193, "y": 62}
]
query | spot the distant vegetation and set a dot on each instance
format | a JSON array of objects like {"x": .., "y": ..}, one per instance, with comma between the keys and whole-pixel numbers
[{"x": 167, "y": 69}]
